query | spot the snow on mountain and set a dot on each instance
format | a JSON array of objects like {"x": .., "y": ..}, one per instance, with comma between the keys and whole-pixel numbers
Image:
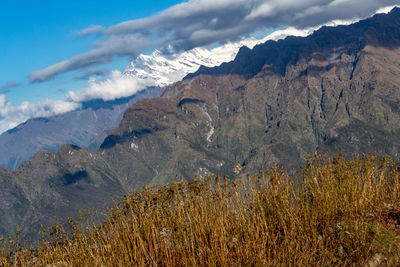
[{"x": 160, "y": 69}]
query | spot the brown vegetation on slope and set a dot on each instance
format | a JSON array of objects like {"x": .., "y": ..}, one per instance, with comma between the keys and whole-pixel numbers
[{"x": 333, "y": 212}]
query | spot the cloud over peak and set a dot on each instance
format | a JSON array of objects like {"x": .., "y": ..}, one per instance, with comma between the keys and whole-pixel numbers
[
  {"x": 114, "y": 87},
  {"x": 202, "y": 22}
]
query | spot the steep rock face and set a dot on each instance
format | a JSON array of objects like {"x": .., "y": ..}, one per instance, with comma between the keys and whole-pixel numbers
[{"x": 334, "y": 91}]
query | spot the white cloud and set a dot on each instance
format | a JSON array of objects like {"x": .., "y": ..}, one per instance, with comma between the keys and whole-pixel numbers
[
  {"x": 386, "y": 9},
  {"x": 114, "y": 87},
  {"x": 338, "y": 2},
  {"x": 265, "y": 10},
  {"x": 11, "y": 115}
]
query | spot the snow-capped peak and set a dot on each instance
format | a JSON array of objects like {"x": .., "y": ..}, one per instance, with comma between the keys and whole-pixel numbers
[{"x": 159, "y": 69}]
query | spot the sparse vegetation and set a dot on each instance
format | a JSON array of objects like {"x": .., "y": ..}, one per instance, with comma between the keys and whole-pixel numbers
[{"x": 333, "y": 212}]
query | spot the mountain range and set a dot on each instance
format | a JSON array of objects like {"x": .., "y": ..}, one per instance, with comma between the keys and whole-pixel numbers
[
  {"x": 336, "y": 90},
  {"x": 88, "y": 126}
]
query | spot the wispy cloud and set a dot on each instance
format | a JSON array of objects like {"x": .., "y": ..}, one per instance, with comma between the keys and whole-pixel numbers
[
  {"x": 103, "y": 51},
  {"x": 5, "y": 88},
  {"x": 92, "y": 29},
  {"x": 89, "y": 73},
  {"x": 202, "y": 22}
]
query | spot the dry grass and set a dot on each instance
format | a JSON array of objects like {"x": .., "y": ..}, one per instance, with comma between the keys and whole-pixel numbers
[{"x": 339, "y": 212}]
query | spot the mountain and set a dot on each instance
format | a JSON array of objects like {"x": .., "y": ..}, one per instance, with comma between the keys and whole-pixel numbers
[
  {"x": 163, "y": 68},
  {"x": 86, "y": 127},
  {"x": 54, "y": 184},
  {"x": 336, "y": 90}
]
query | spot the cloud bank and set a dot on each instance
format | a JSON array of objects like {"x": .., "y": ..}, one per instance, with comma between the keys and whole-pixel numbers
[
  {"x": 11, "y": 116},
  {"x": 202, "y": 22},
  {"x": 115, "y": 86}
]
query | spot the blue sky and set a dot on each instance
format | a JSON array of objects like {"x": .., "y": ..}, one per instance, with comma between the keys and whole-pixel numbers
[
  {"x": 49, "y": 47},
  {"x": 36, "y": 34}
]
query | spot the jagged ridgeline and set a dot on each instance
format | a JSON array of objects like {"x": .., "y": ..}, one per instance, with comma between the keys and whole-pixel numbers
[{"x": 336, "y": 90}]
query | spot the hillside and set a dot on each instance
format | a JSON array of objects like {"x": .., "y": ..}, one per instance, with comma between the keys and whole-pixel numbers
[
  {"x": 336, "y": 90},
  {"x": 86, "y": 127},
  {"x": 338, "y": 213}
]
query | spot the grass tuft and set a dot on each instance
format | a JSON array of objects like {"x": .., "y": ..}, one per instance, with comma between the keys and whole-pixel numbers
[{"x": 333, "y": 212}]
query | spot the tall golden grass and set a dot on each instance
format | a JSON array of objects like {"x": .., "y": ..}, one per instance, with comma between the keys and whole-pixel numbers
[{"x": 333, "y": 212}]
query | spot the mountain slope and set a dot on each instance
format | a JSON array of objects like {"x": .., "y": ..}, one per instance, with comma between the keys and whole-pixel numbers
[
  {"x": 334, "y": 91},
  {"x": 86, "y": 127},
  {"x": 54, "y": 184}
]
